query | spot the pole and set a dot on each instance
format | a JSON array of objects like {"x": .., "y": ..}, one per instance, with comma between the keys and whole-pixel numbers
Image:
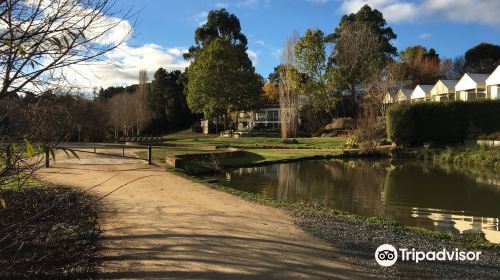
[
  {"x": 149, "y": 154},
  {"x": 47, "y": 158},
  {"x": 123, "y": 151},
  {"x": 94, "y": 150}
]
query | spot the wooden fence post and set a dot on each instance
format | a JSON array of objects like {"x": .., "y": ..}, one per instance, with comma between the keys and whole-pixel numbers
[{"x": 149, "y": 154}]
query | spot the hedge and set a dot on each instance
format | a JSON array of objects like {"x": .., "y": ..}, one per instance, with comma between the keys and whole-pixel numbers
[{"x": 442, "y": 122}]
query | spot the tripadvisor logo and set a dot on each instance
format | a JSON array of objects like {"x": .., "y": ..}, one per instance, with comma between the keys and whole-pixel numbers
[{"x": 387, "y": 255}]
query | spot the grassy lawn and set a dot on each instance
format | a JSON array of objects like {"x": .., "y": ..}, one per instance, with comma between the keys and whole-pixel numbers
[
  {"x": 258, "y": 150},
  {"x": 48, "y": 232},
  {"x": 190, "y": 138},
  {"x": 261, "y": 156}
]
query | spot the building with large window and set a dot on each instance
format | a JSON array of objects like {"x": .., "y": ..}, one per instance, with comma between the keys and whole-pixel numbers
[
  {"x": 444, "y": 90},
  {"x": 471, "y": 87}
]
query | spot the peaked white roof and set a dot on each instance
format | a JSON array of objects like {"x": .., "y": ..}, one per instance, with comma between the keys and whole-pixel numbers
[
  {"x": 494, "y": 78},
  {"x": 421, "y": 91},
  {"x": 406, "y": 91},
  {"x": 450, "y": 84},
  {"x": 471, "y": 81}
]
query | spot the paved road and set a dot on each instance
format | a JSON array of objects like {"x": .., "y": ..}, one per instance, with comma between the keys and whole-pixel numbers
[{"x": 161, "y": 226}]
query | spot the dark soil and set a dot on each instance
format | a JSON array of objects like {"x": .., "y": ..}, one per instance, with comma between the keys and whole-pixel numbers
[{"x": 48, "y": 233}]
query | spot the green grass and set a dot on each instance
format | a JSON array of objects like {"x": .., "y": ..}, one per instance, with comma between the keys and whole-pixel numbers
[
  {"x": 249, "y": 157},
  {"x": 476, "y": 156},
  {"x": 263, "y": 156},
  {"x": 257, "y": 150},
  {"x": 190, "y": 138}
]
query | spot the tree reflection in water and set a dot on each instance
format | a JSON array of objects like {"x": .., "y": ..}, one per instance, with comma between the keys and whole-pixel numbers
[{"x": 441, "y": 198}]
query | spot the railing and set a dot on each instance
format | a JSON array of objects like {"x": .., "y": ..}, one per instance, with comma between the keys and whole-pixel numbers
[{"x": 94, "y": 151}]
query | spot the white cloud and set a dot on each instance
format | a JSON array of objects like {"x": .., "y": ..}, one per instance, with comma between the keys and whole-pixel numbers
[
  {"x": 393, "y": 10},
  {"x": 424, "y": 36},
  {"x": 260, "y": 42},
  {"x": 276, "y": 53},
  {"x": 321, "y": 2},
  {"x": 252, "y": 3},
  {"x": 220, "y": 5},
  {"x": 200, "y": 18},
  {"x": 121, "y": 66},
  {"x": 254, "y": 57},
  {"x": 483, "y": 12}
]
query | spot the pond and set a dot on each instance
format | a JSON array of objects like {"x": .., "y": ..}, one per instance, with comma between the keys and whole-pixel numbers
[{"x": 418, "y": 194}]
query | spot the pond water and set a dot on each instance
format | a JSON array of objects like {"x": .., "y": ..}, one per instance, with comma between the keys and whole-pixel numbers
[{"x": 416, "y": 194}]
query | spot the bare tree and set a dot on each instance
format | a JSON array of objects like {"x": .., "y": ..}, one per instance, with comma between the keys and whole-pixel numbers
[
  {"x": 143, "y": 114},
  {"x": 129, "y": 112},
  {"x": 357, "y": 56},
  {"x": 287, "y": 94},
  {"x": 40, "y": 41}
]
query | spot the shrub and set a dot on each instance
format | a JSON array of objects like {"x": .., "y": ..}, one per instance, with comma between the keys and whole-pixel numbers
[
  {"x": 442, "y": 123},
  {"x": 351, "y": 143},
  {"x": 370, "y": 133}
]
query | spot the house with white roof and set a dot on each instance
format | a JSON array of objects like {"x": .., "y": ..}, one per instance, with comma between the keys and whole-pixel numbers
[
  {"x": 421, "y": 93},
  {"x": 389, "y": 98},
  {"x": 403, "y": 95},
  {"x": 443, "y": 90},
  {"x": 471, "y": 87},
  {"x": 493, "y": 85}
]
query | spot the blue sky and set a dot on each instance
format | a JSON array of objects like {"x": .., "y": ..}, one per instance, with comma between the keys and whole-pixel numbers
[{"x": 165, "y": 29}]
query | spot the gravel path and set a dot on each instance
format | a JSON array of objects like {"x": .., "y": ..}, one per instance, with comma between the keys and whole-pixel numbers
[
  {"x": 361, "y": 239},
  {"x": 161, "y": 226}
]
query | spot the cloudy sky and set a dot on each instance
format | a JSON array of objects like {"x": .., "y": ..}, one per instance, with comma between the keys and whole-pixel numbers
[{"x": 165, "y": 29}]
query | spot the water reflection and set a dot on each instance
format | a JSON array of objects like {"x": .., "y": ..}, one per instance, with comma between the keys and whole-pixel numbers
[{"x": 433, "y": 197}]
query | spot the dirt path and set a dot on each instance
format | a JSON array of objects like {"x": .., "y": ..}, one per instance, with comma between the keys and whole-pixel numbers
[{"x": 162, "y": 226}]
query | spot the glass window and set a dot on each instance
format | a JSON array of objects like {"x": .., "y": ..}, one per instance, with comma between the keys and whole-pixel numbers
[{"x": 272, "y": 116}]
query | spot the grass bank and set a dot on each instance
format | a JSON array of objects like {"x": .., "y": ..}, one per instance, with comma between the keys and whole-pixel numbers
[
  {"x": 48, "y": 232},
  {"x": 187, "y": 138},
  {"x": 256, "y": 150},
  {"x": 461, "y": 156}
]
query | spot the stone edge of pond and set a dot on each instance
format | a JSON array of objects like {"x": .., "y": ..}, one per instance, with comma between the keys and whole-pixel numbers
[
  {"x": 343, "y": 154},
  {"x": 298, "y": 208}
]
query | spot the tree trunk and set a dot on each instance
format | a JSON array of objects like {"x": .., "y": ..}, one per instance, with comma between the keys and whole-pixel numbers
[{"x": 217, "y": 125}]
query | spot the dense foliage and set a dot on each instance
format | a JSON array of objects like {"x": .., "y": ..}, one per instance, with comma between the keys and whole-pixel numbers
[
  {"x": 443, "y": 122},
  {"x": 167, "y": 102},
  {"x": 221, "y": 78},
  {"x": 482, "y": 58}
]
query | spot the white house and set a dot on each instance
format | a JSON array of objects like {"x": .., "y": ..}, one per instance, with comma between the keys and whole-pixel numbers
[
  {"x": 421, "y": 93},
  {"x": 403, "y": 95},
  {"x": 266, "y": 117},
  {"x": 444, "y": 90},
  {"x": 493, "y": 85},
  {"x": 389, "y": 98},
  {"x": 471, "y": 87}
]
